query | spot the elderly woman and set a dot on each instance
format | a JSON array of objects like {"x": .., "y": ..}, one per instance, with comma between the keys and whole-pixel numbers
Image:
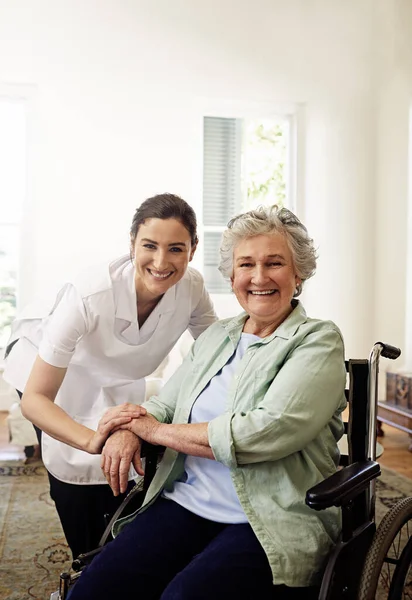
[{"x": 250, "y": 421}]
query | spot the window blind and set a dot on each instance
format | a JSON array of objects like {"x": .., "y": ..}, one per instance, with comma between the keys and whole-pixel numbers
[
  {"x": 222, "y": 144},
  {"x": 222, "y": 140}
]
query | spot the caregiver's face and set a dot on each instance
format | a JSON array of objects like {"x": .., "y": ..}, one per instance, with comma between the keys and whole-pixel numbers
[{"x": 162, "y": 251}]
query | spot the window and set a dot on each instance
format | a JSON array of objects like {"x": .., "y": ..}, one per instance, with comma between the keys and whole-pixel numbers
[
  {"x": 12, "y": 194},
  {"x": 246, "y": 163}
]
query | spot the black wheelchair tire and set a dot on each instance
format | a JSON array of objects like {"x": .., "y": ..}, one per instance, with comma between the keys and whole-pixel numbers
[{"x": 396, "y": 518}]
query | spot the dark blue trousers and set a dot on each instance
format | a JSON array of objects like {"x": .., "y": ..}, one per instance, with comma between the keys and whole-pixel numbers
[{"x": 169, "y": 553}]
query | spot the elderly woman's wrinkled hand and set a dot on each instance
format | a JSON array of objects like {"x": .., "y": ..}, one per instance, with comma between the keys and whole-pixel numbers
[
  {"x": 145, "y": 427},
  {"x": 121, "y": 450}
]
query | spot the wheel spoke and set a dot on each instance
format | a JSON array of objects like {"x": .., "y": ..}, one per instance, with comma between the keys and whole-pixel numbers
[
  {"x": 386, "y": 577},
  {"x": 399, "y": 543}
]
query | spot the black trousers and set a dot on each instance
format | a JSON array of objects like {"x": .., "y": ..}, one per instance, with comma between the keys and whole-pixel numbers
[{"x": 84, "y": 510}]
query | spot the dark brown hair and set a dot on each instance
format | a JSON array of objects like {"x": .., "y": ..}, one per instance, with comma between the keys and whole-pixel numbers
[{"x": 165, "y": 206}]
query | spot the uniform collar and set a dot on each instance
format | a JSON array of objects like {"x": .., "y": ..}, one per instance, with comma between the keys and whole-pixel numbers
[
  {"x": 168, "y": 302},
  {"x": 124, "y": 292}
]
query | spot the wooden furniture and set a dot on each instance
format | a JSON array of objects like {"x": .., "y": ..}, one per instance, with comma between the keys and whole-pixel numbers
[
  {"x": 397, "y": 410},
  {"x": 395, "y": 415}
]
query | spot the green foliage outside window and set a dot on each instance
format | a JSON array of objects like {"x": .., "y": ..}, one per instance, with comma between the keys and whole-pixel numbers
[{"x": 264, "y": 162}]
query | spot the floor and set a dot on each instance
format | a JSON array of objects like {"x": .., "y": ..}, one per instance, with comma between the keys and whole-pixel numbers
[
  {"x": 395, "y": 443},
  {"x": 396, "y": 455}
]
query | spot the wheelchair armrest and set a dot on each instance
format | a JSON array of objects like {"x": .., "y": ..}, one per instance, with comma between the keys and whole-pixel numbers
[{"x": 343, "y": 486}]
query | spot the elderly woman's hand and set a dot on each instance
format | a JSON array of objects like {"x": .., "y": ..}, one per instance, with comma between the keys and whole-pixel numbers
[
  {"x": 145, "y": 427},
  {"x": 121, "y": 450}
]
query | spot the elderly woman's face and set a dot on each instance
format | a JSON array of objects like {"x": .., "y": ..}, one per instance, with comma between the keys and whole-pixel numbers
[{"x": 264, "y": 278}]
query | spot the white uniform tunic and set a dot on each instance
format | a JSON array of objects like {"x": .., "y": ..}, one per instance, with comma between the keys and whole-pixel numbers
[{"x": 92, "y": 329}]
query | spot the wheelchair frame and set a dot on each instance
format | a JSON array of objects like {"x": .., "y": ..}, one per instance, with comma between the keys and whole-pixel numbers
[{"x": 356, "y": 562}]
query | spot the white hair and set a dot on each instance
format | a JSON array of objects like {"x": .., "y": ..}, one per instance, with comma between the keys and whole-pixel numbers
[{"x": 268, "y": 220}]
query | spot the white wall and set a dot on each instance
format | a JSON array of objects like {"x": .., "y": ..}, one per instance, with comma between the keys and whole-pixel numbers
[
  {"x": 339, "y": 215},
  {"x": 116, "y": 90},
  {"x": 393, "y": 202}
]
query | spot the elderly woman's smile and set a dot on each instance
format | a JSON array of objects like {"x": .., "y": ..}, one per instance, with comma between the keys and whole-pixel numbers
[{"x": 264, "y": 279}]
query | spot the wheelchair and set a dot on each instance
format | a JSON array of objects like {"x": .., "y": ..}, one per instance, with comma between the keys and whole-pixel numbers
[{"x": 367, "y": 563}]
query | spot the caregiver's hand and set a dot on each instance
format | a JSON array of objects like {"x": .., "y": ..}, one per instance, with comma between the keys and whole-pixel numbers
[
  {"x": 134, "y": 411},
  {"x": 112, "y": 419}
]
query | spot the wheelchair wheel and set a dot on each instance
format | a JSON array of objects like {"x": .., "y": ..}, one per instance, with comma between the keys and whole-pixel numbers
[{"x": 387, "y": 573}]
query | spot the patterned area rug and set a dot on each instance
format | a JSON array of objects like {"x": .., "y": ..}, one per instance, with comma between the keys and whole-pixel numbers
[
  {"x": 390, "y": 488},
  {"x": 33, "y": 551}
]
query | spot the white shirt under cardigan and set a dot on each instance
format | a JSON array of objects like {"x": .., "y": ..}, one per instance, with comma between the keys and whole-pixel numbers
[
  {"x": 92, "y": 330},
  {"x": 206, "y": 487}
]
